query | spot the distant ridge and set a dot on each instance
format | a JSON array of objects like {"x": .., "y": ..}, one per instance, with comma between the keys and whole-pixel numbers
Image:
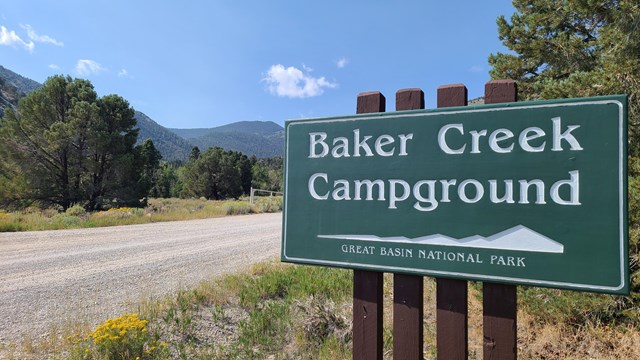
[
  {"x": 13, "y": 87},
  {"x": 171, "y": 146},
  {"x": 23, "y": 84},
  {"x": 519, "y": 238},
  {"x": 260, "y": 138}
]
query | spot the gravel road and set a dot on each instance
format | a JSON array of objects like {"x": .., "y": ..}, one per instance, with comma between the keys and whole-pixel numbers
[{"x": 48, "y": 278}]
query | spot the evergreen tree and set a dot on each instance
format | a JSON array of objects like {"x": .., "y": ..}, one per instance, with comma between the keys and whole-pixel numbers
[
  {"x": 195, "y": 153},
  {"x": 580, "y": 48},
  {"x": 216, "y": 174},
  {"x": 69, "y": 145},
  {"x": 565, "y": 49},
  {"x": 148, "y": 160},
  {"x": 167, "y": 184},
  {"x": 267, "y": 174}
]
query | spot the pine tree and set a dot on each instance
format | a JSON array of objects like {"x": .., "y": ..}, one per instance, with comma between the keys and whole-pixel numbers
[
  {"x": 564, "y": 49},
  {"x": 70, "y": 146}
]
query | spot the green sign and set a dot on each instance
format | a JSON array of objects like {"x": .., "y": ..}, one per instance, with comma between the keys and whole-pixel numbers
[{"x": 524, "y": 193}]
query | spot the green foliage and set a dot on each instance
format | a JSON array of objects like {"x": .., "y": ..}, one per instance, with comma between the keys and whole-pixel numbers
[
  {"x": 70, "y": 146},
  {"x": 573, "y": 49},
  {"x": 167, "y": 182},
  {"x": 269, "y": 297},
  {"x": 195, "y": 154},
  {"x": 268, "y": 174},
  {"x": 76, "y": 210},
  {"x": 563, "y": 49},
  {"x": 217, "y": 174},
  {"x": 13, "y": 185},
  {"x": 147, "y": 159},
  {"x": 295, "y": 282}
]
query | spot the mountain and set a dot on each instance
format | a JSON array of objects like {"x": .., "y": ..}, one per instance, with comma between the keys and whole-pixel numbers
[
  {"x": 13, "y": 87},
  {"x": 519, "y": 238},
  {"x": 263, "y": 128},
  {"x": 171, "y": 146},
  {"x": 9, "y": 96},
  {"x": 23, "y": 84},
  {"x": 259, "y": 138}
]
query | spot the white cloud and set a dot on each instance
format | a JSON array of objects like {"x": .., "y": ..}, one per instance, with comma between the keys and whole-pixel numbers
[
  {"x": 123, "y": 73},
  {"x": 294, "y": 83},
  {"x": 10, "y": 38},
  {"x": 476, "y": 69},
  {"x": 40, "y": 38},
  {"x": 88, "y": 67},
  {"x": 54, "y": 67},
  {"x": 342, "y": 62}
]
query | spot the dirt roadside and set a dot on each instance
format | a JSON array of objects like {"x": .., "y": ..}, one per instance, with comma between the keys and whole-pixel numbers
[{"x": 49, "y": 278}]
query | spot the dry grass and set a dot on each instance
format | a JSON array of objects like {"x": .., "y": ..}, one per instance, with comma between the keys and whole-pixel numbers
[
  {"x": 560, "y": 341},
  {"x": 55, "y": 341},
  {"x": 537, "y": 339},
  {"x": 281, "y": 311},
  {"x": 158, "y": 210}
]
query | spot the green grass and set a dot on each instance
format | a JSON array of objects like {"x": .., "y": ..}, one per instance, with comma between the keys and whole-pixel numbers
[
  {"x": 282, "y": 311},
  {"x": 272, "y": 309},
  {"x": 158, "y": 210}
]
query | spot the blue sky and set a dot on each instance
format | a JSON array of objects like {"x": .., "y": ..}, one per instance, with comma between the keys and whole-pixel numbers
[{"x": 190, "y": 64}]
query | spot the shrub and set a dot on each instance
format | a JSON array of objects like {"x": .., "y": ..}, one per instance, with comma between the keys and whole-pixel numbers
[
  {"x": 268, "y": 204},
  {"x": 236, "y": 208},
  {"x": 76, "y": 210},
  {"x": 321, "y": 321},
  {"x": 123, "y": 212},
  {"x": 124, "y": 337}
]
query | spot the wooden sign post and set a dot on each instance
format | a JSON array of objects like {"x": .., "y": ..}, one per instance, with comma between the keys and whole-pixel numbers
[
  {"x": 504, "y": 193},
  {"x": 368, "y": 285},
  {"x": 499, "y": 301},
  {"x": 451, "y": 294},
  {"x": 408, "y": 290}
]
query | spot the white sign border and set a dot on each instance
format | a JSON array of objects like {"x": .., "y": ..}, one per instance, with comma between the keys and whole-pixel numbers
[{"x": 512, "y": 106}]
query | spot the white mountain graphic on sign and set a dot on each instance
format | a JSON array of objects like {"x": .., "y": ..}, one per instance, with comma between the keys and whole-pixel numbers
[{"x": 518, "y": 238}]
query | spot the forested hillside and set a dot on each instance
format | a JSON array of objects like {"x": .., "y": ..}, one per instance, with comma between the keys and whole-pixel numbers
[
  {"x": 245, "y": 143},
  {"x": 264, "y": 128},
  {"x": 9, "y": 96},
  {"x": 23, "y": 84},
  {"x": 171, "y": 146},
  {"x": 13, "y": 87},
  {"x": 260, "y": 138},
  {"x": 63, "y": 145}
]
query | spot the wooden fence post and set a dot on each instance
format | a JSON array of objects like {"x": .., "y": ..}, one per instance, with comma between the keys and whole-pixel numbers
[
  {"x": 451, "y": 296},
  {"x": 408, "y": 290},
  {"x": 499, "y": 300},
  {"x": 368, "y": 285}
]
